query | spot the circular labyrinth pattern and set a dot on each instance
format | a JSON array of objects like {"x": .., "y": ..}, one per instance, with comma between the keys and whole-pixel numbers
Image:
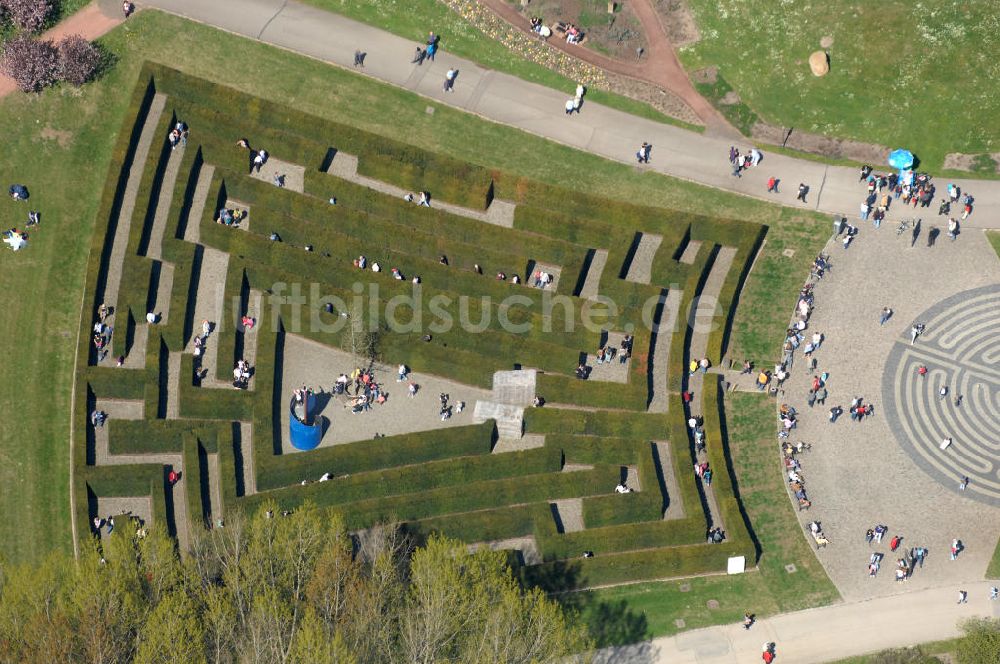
[{"x": 961, "y": 350}]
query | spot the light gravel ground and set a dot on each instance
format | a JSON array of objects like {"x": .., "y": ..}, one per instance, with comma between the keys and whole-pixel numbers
[{"x": 309, "y": 363}]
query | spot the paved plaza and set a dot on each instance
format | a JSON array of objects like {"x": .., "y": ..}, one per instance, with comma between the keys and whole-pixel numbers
[
  {"x": 958, "y": 398},
  {"x": 888, "y": 469}
]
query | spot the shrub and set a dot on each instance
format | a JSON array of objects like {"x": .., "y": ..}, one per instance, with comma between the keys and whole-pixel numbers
[
  {"x": 29, "y": 15},
  {"x": 78, "y": 60},
  {"x": 33, "y": 64}
]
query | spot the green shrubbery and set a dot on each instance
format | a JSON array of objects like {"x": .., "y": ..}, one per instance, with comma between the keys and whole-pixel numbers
[{"x": 437, "y": 481}]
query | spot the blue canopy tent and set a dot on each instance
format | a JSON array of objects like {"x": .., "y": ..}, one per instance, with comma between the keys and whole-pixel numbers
[{"x": 901, "y": 160}]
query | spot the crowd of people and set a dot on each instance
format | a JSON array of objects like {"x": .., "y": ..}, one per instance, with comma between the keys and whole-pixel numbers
[{"x": 909, "y": 188}]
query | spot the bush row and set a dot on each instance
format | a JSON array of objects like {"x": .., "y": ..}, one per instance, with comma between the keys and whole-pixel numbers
[
  {"x": 381, "y": 158},
  {"x": 150, "y": 436},
  {"x": 477, "y": 496},
  {"x": 496, "y": 348},
  {"x": 193, "y": 481},
  {"x": 414, "y": 479},
  {"x": 723, "y": 484},
  {"x": 379, "y": 454},
  {"x": 615, "y": 568},
  {"x": 680, "y": 341},
  {"x": 485, "y": 525},
  {"x": 595, "y": 423}
]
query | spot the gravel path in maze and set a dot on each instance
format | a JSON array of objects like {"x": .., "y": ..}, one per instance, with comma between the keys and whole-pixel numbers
[
  {"x": 702, "y": 318},
  {"x": 888, "y": 469},
  {"x": 316, "y": 365},
  {"x": 641, "y": 267},
  {"x": 570, "y": 514},
  {"x": 154, "y": 249},
  {"x": 109, "y": 293},
  {"x": 192, "y": 231},
  {"x": 690, "y": 252},
  {"x": 499, "y": 213},
  {"x": 209, "y": 301},
  {"x": 675, "y": 506},
  {"x": 592, "y": 282},
  {"x": 133, "y": 410},
  {"x": 671, "y": 304}
]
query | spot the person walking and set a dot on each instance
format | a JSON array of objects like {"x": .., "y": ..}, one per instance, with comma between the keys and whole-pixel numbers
[
  {"x": 803, "y": 190},
  {"x": 964, "y": 483},
  {"x": 642, "y": 154},
  {"x": 963, "y": 597},
  {"x": 449, "y": 80},
  {"x": 915, "y": 331},
  {"x": 994, "y": 593},
  {"x": 886, "y": 315},
  {"x": 956, "y": 547},
  {"x": 952, "y": 229},
  {"x": 772, "y": 185},
  {"x": 359, "y": 58}
]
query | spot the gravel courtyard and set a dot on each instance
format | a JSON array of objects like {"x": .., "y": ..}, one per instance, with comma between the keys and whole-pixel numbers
[{"x": 860, "y": 474}]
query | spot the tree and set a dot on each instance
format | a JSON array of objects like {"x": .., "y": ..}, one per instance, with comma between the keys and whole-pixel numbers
[
  {"x": 28, "y": 15},
  {"x": 33, "y": 64},
  {"x": 172, "y": 632},
  {"x": 78, "y": 60},
  {"x": 981, "y": 642},
  {"x": 280, "y": 589}
]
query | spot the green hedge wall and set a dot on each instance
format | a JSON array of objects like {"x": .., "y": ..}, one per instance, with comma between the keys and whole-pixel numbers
[
  {"x": 382, "y": 453},
  {"x": 273, "y": 125}
]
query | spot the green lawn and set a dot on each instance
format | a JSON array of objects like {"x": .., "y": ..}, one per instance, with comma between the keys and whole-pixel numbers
[
  {"x": 61, "y": 154},
  {"x": 994, "y": 238},
  {"x": 769, "y": 590},
  {"x": 615, "y": 613},
  {"x": 415, "y": 18},
  {"x": 776, "y": 278},
  {"x": 919, "y": 76}
]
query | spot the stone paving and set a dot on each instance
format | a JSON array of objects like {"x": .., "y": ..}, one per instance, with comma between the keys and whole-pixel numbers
[
  {"x": 569, "y": 515},
  {"x": 961, "y": 351},
  {"x": 861, "y": 474},
  {"x": 664, "y": 332},
  {"x": 664, "y": 457},
  {"x": 294, "y": 175},
  {"x": 641, "y": 266},
  {"x": 592, "y": 282}
]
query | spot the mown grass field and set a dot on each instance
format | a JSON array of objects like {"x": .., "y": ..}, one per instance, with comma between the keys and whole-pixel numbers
[{"x": 902, "y": 74}]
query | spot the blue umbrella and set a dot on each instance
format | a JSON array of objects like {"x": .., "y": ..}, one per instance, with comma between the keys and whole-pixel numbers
[{"x": 901, "y": 159}]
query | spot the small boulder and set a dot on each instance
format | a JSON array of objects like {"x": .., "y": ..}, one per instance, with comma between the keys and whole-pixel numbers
[{"x": 819, "y": 64}]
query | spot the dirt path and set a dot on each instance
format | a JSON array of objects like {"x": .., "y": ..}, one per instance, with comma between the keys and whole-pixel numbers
[
  {"x": 90, "y": 23},
  {"x": 659, "y": 67}
]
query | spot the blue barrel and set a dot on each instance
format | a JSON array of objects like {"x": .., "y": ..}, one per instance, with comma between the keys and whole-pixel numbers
[{"x": 304, "y": 428}]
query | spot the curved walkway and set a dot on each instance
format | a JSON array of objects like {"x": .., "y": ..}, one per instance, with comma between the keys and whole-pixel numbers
[
  {"x": 819, "y": 635},
  {"x": 703, "y": 159},
  {"x": 660, "y": 65}
]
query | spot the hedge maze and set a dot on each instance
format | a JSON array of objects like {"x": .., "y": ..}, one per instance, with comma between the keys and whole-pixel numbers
[{"x": 548, "y": 494}]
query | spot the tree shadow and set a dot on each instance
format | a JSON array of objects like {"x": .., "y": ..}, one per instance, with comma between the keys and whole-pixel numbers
[{"x": 610, "y": 623}]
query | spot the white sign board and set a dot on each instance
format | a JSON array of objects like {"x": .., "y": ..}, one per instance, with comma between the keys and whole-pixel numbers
[{"x": 736, "y": 565}]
